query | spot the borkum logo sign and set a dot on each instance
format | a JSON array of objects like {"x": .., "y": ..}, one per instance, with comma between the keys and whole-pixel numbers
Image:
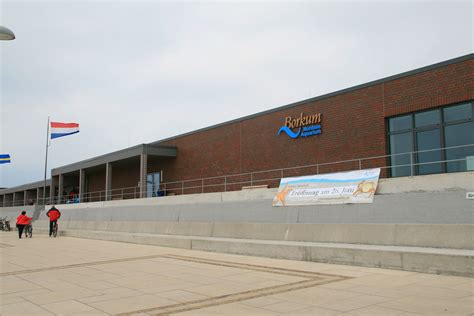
[{"x": 302, "y": 126}]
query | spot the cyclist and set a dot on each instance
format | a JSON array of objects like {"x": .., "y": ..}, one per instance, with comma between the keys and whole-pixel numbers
[
  {"x": 21, "y": 222},
  {"x": 54, "y": 214}
]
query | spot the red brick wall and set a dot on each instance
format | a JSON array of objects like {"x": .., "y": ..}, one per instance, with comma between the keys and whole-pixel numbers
[
  {"x": 353, "y": 126},
  {"x": 447, "y": 85}
]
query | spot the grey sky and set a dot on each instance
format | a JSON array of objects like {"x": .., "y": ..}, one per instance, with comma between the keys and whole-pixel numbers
[{"x": 132, "y": 72}]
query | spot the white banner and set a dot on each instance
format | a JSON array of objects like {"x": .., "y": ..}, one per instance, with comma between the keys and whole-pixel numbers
[{"x": 332, "y": 188}]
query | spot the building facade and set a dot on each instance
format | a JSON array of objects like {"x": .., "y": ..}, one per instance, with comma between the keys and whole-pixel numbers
[{"x": 414, "y": 123}]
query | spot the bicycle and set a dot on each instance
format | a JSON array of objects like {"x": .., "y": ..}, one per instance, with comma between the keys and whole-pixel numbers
[
  {"x": 55, "y": 229},
  {"x": 5, "y": 224},
  {"x": 28, "y": 231}
]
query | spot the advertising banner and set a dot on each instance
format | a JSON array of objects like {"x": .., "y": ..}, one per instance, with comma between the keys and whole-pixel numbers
[{"x": 332, "y": 188}]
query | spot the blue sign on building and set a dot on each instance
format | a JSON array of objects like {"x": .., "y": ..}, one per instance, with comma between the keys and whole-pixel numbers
[{"x": 302, "y": 126}]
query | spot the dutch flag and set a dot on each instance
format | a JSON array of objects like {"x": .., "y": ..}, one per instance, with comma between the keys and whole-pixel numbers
[{"x": 63, "y": 129}]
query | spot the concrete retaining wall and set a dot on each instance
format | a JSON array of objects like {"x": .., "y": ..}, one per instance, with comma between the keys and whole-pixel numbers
[
  {"x": 450, "y": 207},
  {"x": 423, "y": 199},
  {"x": 12, "y": 212}
]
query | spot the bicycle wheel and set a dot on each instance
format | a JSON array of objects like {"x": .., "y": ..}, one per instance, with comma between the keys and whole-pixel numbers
[
  {"x": 55, "y": 230},
  {"x": 30, "y": 231}
]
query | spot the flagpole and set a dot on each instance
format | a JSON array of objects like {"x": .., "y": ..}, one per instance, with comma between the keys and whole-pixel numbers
[{"x": 46, "y": 165}]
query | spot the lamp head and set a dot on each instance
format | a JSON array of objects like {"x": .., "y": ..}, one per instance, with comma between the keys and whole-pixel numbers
[{"x": 6, "y": 34}]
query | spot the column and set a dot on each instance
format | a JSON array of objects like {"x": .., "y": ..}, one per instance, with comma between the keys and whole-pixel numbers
[
  {"x": 24, "y": 197},
  {"x": 108, "y": 181},
  {"x": 52, "y": 189},
  {"x": 143, "y": 173},
  {"x": 39, "y": 196},
  {"x": 61, "y": 189},
  {"x": 82, "y": 179}
]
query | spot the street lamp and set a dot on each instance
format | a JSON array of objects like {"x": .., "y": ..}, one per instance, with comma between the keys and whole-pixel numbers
[{"x": 6, "y": 34}]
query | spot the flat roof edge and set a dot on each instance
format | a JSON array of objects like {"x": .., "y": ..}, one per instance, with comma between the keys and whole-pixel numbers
[
  {"x": 113, "y": 156},
  {"x": 328, "y": 95},
  {"x": 24, "y": 187}
]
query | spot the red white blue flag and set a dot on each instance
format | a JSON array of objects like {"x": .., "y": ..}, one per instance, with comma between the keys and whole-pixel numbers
[{"x": 63, "y": 129}]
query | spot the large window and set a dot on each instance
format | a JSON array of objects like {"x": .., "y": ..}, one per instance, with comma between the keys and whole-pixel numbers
[{"x": 420, "y": 142}]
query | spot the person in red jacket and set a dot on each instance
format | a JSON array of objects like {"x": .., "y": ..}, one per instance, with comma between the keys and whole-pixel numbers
[
  {"x": 21, "y": 221},
  {"x": 54, "y": 214}
]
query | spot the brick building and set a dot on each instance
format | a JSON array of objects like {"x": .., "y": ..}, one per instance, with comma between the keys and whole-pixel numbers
[{"x": 413, "y": 123}]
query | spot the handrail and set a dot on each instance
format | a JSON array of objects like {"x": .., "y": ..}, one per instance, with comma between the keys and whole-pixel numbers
[{"x": 179, "y": 187}]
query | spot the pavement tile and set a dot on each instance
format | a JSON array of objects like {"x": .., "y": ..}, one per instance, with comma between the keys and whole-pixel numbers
[
  {"x": 285, "y": 307},
  {"x": 430, "y": 306},
  {"x": 17, "y": 286},
  {"x": 233, "y": 309},
  {"x": 353, "y": 303},
  {"x": 260, "y": 301},
  {"x": 377, "y": 311},
  {"x": 314, "y": 296},
  {"x": 313, "y": 311},
  {"x": 63, "y": 295},
  {"x": 91, "y": 312},
  {"x": 181, "y": 295},
  {"x": 98, "y": 285},
  {"x": 372, "y": 290},
  {"x": 23, "y": 309},
  {"x": 10, "y": 300},
  {"x": 119, "y": 294},
  {"x": 435, "y": 292},
  {"x": 223, "y": 288},
  {"x": 130, "y": 304},
  {"x": 67, "y": 307}
]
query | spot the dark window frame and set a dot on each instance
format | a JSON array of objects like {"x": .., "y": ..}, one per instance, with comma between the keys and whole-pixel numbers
[{"x": 414, "y": 130}]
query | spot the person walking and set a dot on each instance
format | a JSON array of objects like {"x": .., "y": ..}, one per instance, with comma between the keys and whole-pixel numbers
[
  {"x": 21, "y": 221},
  {"x": 54, "y": 214}
]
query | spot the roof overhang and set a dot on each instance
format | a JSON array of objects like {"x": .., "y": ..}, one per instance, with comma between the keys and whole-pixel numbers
[
  {"x": 25, "y": 187},
  {"x": 151, "y": 150}
]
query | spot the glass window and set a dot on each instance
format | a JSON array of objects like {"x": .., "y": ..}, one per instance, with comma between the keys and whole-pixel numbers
[
  {"x": 458, "y": 135},
  {"x": 400, "y": 123},
  {"x": 428, "y": 140},
  {"x": 152, "y": 184},
  {"x": 401, "y": 144},
  {"x": 431, "y": 130},
  {"x": 458, "y": 112},
  {"x": 427, "y": 118}
]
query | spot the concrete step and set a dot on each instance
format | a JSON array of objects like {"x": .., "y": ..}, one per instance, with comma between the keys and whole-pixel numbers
[
  {"x": 458, "y": 236},
  {"x": 420, "y": 259}
]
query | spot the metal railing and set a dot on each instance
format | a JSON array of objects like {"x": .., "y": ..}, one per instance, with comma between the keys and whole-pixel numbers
[{"x": 269, "y": 178}]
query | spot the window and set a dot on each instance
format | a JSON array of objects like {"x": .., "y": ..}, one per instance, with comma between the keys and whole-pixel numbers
[
  {"x": 427, "y": 139},
  {"x": 401, "y": 123},
  {"x": 427, "y": 118},
  {"x": 153, "y": 184},
  {"x": 401, "y": 144},
  {"x": 458, "y": 112},
  {"x": 458, "y": 135}
]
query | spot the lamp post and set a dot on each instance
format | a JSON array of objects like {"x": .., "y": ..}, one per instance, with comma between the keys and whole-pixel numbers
[{"x": 6, "y": 34}]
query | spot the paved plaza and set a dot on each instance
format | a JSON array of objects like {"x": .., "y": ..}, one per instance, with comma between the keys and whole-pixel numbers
[{"x": 71, "y": 276}]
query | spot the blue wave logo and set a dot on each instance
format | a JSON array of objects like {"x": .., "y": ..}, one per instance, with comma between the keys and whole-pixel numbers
[{"x": 289, "y": 132}]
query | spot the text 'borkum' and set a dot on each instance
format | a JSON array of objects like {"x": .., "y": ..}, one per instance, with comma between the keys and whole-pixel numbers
[{"x": 302, "y": 120}]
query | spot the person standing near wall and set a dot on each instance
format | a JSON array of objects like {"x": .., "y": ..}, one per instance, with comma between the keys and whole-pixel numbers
[{"x": 21, "y": 221}]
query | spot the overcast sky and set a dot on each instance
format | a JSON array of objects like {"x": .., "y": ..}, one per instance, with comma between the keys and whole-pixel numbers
[{"x": 132, "y": 72}]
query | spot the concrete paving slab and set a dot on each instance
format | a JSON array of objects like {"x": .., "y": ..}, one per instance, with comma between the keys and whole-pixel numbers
[{"x": 137, "y": 279}]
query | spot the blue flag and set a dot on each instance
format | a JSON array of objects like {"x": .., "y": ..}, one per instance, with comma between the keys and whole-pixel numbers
[{"x": 5, "y": 158}]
